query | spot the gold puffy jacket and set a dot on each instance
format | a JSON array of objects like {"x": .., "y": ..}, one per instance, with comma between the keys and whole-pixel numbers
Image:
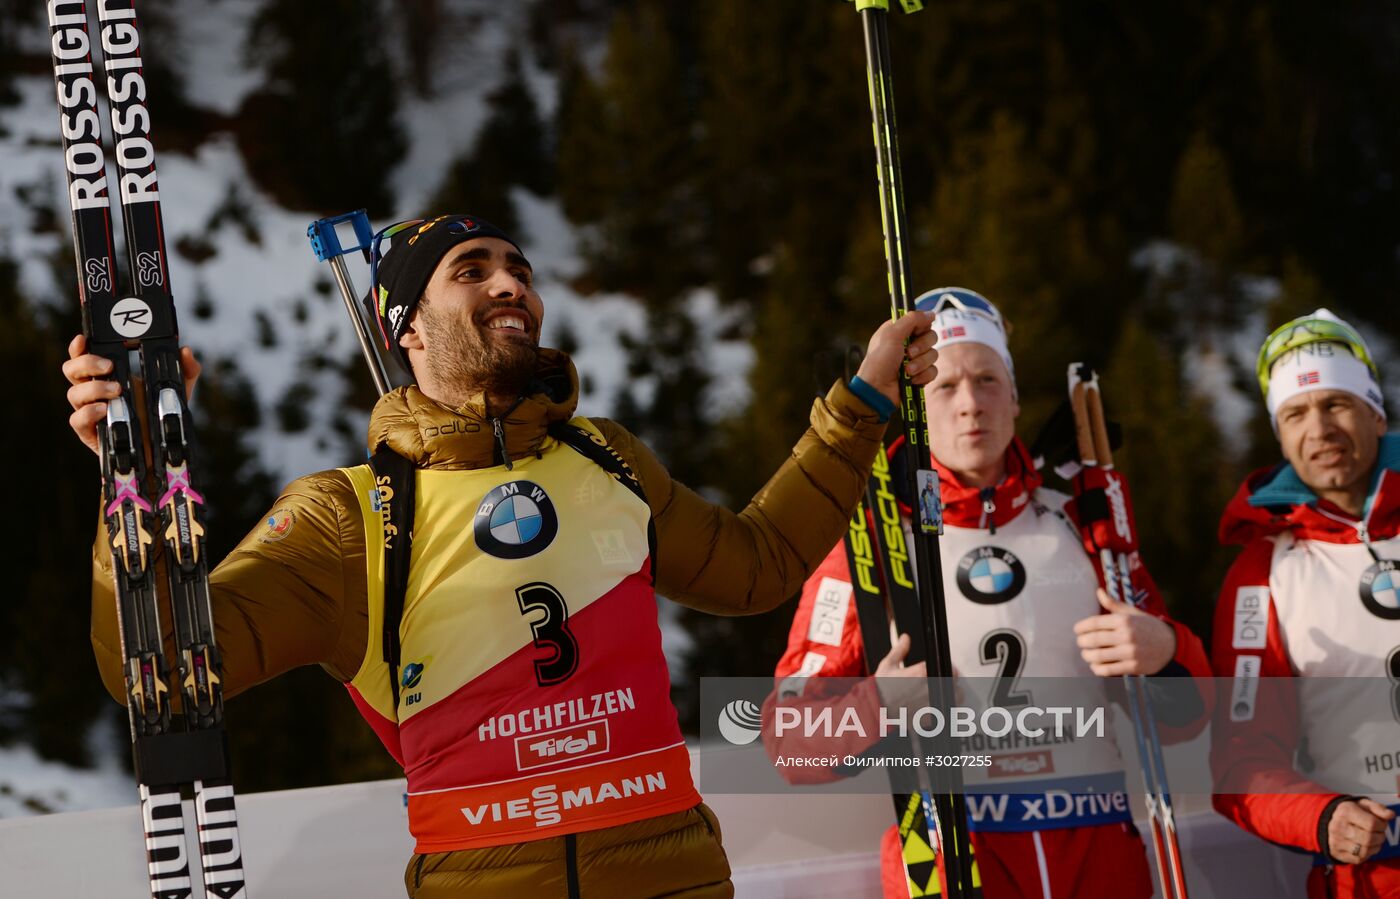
[{"x": 295, "y": 594}]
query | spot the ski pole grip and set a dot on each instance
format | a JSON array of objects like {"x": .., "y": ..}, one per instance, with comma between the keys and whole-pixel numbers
[
  {"x": 1083, "y": 433},
  {"x": 1099, "y": 426},
  {"x": 325, "y": 239},
  {"x": 909, "y": 5}
]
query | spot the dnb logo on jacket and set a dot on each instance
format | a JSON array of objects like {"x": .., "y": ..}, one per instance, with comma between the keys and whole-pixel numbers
[
  {"x": 990, "y": 575},
  {"x": 515, "y": 520},
  {"x": 1380, "y": 590}
]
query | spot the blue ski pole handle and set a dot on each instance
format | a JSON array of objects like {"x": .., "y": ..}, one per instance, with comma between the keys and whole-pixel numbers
[{"x": 327, "y": 245}]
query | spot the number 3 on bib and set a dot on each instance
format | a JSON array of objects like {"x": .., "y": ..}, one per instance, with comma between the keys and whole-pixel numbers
[{"x": 551, "y": 632}]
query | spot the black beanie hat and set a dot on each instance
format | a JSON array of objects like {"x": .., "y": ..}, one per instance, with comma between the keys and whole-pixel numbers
[{"x": 406, "y": 267}]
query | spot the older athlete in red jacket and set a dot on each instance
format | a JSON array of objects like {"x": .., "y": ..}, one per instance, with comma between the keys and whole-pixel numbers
[
  {"x": 1299, "y": 760},
  {"x": 1021, "y": 595}
]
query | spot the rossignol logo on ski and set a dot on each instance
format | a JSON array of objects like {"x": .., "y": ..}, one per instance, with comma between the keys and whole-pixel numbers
[
  {"x": 131, "y": 317},
  {"x": 126, "y": 90},
  {"x": 1380, "y": 590},
  {"x": 77, "y": 101},
  {"x": 990, "y": 574},
  {"x": 515, "y": 521}
]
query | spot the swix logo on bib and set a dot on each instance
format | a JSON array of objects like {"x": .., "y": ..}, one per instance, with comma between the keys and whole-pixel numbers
[
  {"x": 1380, "y": 590},
  {"x": 515, "y": 520},
  {"x": 991, "y": 575}
]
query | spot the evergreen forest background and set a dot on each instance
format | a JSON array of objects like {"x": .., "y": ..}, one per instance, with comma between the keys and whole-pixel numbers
[{"x": 1145, "y": 186}]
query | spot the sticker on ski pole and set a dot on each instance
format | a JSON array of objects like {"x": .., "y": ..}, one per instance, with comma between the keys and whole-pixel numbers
[{"x": 930, "y": 505}]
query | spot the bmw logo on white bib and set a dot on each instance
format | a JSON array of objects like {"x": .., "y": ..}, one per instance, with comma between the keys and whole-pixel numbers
[
  {"x": 515, "y": 521},
  {"x": 1380, "y": 589},
  {"x": 991, "y": 575}
]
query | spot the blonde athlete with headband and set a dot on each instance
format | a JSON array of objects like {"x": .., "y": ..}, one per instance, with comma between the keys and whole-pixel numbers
[
  {"x": 1021, "y": 594},
  {"x": 1315, "y": 594}
]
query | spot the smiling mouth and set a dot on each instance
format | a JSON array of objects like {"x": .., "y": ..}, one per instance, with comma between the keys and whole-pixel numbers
[{"x": 509, "y": 322}]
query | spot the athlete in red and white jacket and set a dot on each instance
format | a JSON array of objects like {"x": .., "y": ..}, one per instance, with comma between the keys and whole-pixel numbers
[
  {"x": 1298, "y": 759},
  {"x": 1021, "y": 594}
]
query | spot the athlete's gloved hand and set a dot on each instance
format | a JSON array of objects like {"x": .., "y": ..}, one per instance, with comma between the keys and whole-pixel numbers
[
  {"x": 1103, "y": 511},
  {"x": 1124, "y": 640},
  {"x": 880, "y": 367},
  {"x": 88, "y": 396},
  {"x": 1357, "y": 830}
]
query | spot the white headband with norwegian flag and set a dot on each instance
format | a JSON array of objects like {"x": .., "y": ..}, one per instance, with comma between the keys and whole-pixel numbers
[
  {"x": 1324, "y": 365},
  {"x": 953, "y": 325}
]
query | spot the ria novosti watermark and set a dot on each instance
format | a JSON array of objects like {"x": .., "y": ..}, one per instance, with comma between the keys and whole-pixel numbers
[{"x": 960, "y": 722}]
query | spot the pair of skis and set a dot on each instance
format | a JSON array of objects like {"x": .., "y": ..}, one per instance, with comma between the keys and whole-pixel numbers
[
  {"x": 929, "y": 606},
  {"x": 1091, "y": 436},
  {"x": 150, "y": 498}
]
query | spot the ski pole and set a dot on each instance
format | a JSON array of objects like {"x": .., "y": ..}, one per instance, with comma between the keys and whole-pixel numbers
[
  {"x": 1091, "y": 432},
  {"x": 930, "y": 642},
  {"x": 326, "y": 244}
]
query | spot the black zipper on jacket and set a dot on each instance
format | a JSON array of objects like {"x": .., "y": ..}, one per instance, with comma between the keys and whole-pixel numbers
[
  {"x": 571, "y": 864},
  {"x": 499, "y": 430},
  {"x": 989, "y": 508}
]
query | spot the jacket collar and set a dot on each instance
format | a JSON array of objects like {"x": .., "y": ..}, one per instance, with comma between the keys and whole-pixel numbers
[
  {"x": 1273, "y": 500},
  {"x": 986, "y": 508},
  {"x": 432, "y": 435}
]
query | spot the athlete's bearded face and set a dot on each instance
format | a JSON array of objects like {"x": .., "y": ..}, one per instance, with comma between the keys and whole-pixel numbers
[
  {"x": 1331, "y": 438},
  {"x": 478, "y": 324},
  {"x": 972, "y": 413}
]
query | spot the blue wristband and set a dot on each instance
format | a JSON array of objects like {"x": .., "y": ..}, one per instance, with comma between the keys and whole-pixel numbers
[{"x": 873, "y": 398}]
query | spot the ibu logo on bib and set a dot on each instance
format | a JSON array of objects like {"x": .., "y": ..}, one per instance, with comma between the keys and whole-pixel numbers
[
  {"x": 515, "y": 521},
  {"x": 1380, "y": 590},
  {"x": 991, "y": 575}
]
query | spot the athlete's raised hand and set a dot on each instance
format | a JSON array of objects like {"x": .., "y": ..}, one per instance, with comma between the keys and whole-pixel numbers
[
  {"x": 89, "y": 395},
  {"x": 1124, "y": 639},
  {"x": 887, "y": 352}
]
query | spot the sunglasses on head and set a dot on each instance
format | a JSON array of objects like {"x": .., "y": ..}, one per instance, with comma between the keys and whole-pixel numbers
[
  {"x": 1303, "y": 331},
  {"x": 964, "y": 301},
  {"x": 389, "y": 232}
]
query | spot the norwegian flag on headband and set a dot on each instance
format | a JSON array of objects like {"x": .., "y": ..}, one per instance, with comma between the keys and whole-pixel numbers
[
  {"x": 956, "y": 331},
  {"x": 1307, "y": 378}
]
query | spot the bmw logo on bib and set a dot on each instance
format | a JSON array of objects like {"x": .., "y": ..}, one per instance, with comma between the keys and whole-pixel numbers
[
  {"x": 991, "y": 575},
  {"x": 1380, "y": 589},
  {"x": 515, "y": 521}
]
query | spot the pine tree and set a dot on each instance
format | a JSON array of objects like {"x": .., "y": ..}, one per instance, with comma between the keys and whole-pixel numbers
[
  {"x": 323, "y": 133},
  {"x": 510, "y": 151}
]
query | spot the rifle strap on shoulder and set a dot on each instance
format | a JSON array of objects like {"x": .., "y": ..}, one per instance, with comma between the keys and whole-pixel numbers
[{"x": 394, "y": 476}]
